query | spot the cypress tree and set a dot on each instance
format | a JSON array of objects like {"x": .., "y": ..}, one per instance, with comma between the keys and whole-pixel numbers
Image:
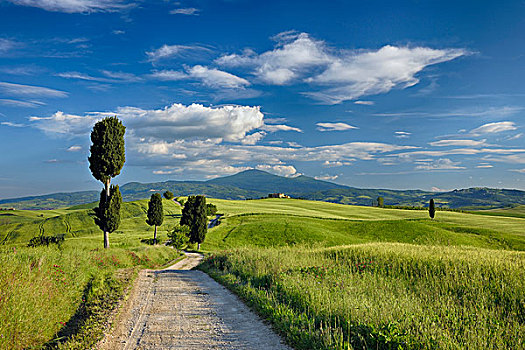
[
  {"x": 107, "y": 157},
  {"x": 431, "y": 209},
  {"x": 200, "y": 221},
  {"x": 155, "y": 213},
  {"x": 187, "y": 212},
  {"x": 380, "y": 202},
  {"x": 107, "y": 214}
]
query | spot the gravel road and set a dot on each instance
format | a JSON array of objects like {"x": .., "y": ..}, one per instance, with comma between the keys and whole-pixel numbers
[{"x": 181, "y": 308}]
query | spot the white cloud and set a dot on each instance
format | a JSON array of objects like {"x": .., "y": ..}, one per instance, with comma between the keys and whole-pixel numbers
[
  {"x": 252, "y": 139},
  {"x": 522, "y": 171},
  {"x": 211, "y": 77},
  {"x": 118, "y": 32},
  {"x": 373, "y": 72},
  {"x": 121, "y": 76},
  {"x": 176, "y": 51},
  {"x": 344, "y": 75},
  {"x": 365, "y": 103},
  {"x": 169, "y": 75},
  {"x": 294, "y": 144},
  {"x": 13, "y": 125},
  {"x": 461, "y": 143},
  {"x": 80, "y": 76},
  {"x": 281, "y": 170},
  {"x": 402, "y": 134},
  {"x": 11, "y": 89},
  {"x": 7, "y": 45},
  {"x": 491, "y": 128},
  {"x": 279, "y": 127},
  {"x": 229, "y": 123},
  {"x": 334, "y": 127},
  {"x": 294, "y": 53},
  {"x": 514, "y": 137},
  {"x": 74, "y": 148},
  {"x": 75, "y": 6},
  {"x": 216, "y": 78},
  {"x": 18, "y": 103},
  {"x": 185, "y": 11},
  {"x": 326, "y": 177},
  {"x": 440, "y": 164},
  {"x": 484, "y": 166}
]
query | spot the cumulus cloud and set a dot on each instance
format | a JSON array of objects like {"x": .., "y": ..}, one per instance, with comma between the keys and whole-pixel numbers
[
  {"x": 176, "y": 51},
  {"x": 229, "y": 123},
  {"x": 281, "y": 170},
  {"x": 75, "y": 6},
  {"x": 440, "y": 164},
  {"x": 11, "y": 89},
  {"x": 492, "y": 128},
  {"x": 342, "y": 75},
  {"x": 461, "y": 143},
  {"x": 189, "y": 11},
  {"x": 293, "y": 55},
  {"x": 334, "y": 126}
]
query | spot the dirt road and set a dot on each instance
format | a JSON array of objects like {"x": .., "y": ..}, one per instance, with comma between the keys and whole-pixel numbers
[{"x": 180, "y": 308}]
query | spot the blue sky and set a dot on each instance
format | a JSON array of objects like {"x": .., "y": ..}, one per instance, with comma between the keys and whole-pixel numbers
[{"x": 420, "y": 94}]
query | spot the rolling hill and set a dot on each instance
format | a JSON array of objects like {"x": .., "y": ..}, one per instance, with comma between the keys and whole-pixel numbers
[{"x": 252, "y": 184}]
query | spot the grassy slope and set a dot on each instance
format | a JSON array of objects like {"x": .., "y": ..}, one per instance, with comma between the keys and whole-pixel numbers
[
  {"x": 43, "y": 291},
  {"x": 277, "y": 222},
  {"x": 19, "y": 226},
  {"x": 383, "y": 295}
]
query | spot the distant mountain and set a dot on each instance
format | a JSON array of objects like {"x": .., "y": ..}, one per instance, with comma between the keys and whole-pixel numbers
[{"x": 255, "y": 184}]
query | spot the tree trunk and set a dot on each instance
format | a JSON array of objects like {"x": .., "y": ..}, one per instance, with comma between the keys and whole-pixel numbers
[
  {"x": 106, "y": 234},
  {"x": 198, "y": 246},
  {"x": 155, "y": 236}
]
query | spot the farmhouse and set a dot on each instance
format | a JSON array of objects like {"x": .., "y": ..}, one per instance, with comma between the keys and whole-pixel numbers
[{"x": 278, "y": 195}]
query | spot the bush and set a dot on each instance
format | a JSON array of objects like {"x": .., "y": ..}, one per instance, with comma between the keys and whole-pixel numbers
[
  {"x": 179, "y": 236},
  {"x": 168, "y": 195},
  {"x": 211, "y": 209},
  {"x": 38, "y": 241},
  {"x": 180, "y": 200}
]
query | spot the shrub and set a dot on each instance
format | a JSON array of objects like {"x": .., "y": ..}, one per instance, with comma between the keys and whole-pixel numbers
[
  {"x": 38, "y": 241},
  {"x": 179, "y": 236}
]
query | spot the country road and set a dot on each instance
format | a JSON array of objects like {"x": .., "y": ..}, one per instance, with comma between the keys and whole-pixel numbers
[{"x": 181, "y": 308}]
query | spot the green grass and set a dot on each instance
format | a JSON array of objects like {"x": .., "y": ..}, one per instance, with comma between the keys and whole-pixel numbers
[
  {"x": 66, "y": 292},
  {"x": 286, "y": 241},
  {"x": 382, "y": 295},
  {"x": 517, "y": 212},
  {"x": 266, "y": 230}
]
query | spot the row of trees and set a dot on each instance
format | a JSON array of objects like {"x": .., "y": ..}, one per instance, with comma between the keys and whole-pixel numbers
[{"x": 107, "y": 157}]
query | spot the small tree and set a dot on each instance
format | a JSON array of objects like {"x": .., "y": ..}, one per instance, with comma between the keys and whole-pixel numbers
[
  {"x": 431, "y": 209},
  {"x": 179, "y": 236},
  {"x": 155, "y": 213},
  {"x": 168, "y": 195},
  {"x": 107, "y": 156},
  {"x": 380, "y": 202},
  {"x": 211, "y": 209},
  {"x": 107, "y": 214}
]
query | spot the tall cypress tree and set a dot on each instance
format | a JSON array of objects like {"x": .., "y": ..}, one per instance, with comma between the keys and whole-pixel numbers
[
  {"x": 380, "y": 202},
  {"x": 187, "y": 212},
  {"x": 194, "y": 216},
  {"x": 431, "y": 209},
  {"x": 107, "y": 214},
  {"x": 107, "y": 156},
  {"x": 200, "y": 221},
  {"x": 155, "y": 213}
]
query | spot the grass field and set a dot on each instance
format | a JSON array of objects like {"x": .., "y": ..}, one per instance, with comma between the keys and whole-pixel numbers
[
  {"x": 382, "y": 295},
  {"x": 417, "y": 293}
]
